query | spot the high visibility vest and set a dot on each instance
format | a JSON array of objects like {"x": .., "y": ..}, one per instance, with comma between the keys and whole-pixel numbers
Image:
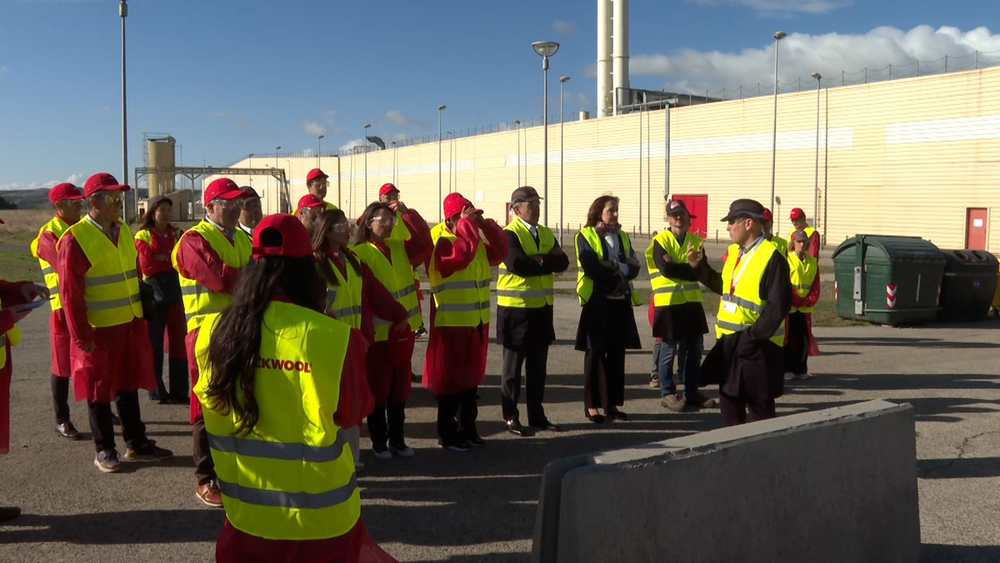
[
  {"x": 292, "y": 477},
  {"x": 585, "y": 285},
  {"x": 781, "y": 244},
  {"x": 533, "y": 292},
  {"x": 111, "y": 285},
  {"x": 399, "y": 229},
  {"x": 57, "y": 226},
  {"x": 740, "y": 309},
  {"x": 343, "y": 301},
  {"x": 803, "y": 274},
  {"x": 463, "y": 298},
  {"x": 397, "y": 277},
  {"x": 199, "y": 300},
  {"x": 808, "y": 230},
  {"x": 147, "y": 237},
  {"x": 670, "y": 291},
  {"x": 14, "y": 337}
]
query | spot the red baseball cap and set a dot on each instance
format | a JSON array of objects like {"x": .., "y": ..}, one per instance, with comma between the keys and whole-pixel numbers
[
  {"x": 63, "y": 191},
  {"x": 315, "y": 173},
  {"x": 455, "y": 203},
  {"x": 797, "y": 213},
  {"x": 293, "y": 241},
  {"x": 310, "y": 200},
  {"x": 386, "y": 188},
  {"x": 767, "y": 215},
  {"x": 102, "y": 181},
  {"x": 223, "y": 188}
]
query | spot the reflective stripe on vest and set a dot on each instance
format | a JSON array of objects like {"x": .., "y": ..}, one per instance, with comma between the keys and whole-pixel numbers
[
  {"x": 463, "y": 298},
  {"x": 56, "y": 226},
  {"x": 343, "y": 302},
  {"x": 533, "y": 292},
  {"x": 383, "y": 270},
  {"x": 402, "y": 285},
  {"x": 669, "y": 291},
  {"x": 111, "y": 286},
  {"x": 803, "y": 274},
  {"x": 199, "y": 300},
  {"x": 740, "y": 309},
  {"x": 585, "y": 285},
  {"x": 292, "y": 477}
]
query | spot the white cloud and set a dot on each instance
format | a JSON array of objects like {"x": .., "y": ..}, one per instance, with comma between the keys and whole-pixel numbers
[
  {"x": 563, "y": 27},
  {"x": 77, "y": 179},
  {"x": 829, "y": 54},
  {"x": 780, "y": 8},
  {"x": 3, "y": 70},
  {"x": 349, "y": 145},
  {"x": 396, "y": 117},
  {"x": 313, "y": 128}
]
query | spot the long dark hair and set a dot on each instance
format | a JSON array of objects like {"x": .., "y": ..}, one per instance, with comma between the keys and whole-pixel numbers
[
  {"x": 149, "y": 219},
  {"x": 597, "y": 209},
  {"x": 320, "y": 245},
  {"x": 364, "y": 229},
  {"x": 234, "y": 351}
]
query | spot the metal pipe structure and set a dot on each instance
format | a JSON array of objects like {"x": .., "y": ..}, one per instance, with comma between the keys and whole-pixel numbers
[
  {"x": 778, "y": 36},
  {"x": 276, "y": 149},
  {"x": 562, "y": 118},
  {"x": 545, "y": 49},
  {"x": 603, "y": 58},
  {"x": 364, "y": 139},
  {"x": 518, "y": 133},
  {"x": 319, "y": 150},
  {"x": 123, "y": 12},
  {"x": 441, "y": 217},
  {"x": 620, "y": 78},
  {"x": 819, "y": 86}
]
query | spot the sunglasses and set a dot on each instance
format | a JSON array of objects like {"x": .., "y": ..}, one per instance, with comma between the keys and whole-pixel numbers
[{"x": 111, "y": 198}]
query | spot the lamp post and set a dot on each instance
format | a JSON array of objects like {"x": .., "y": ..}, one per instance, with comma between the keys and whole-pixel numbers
[
  {"x": 123, "y": 12},
  {"x": 365, "y": 140},
  {"x": 562, "y": 116},
  {"x": 545, "y": 49},
  {"x": 819, "y": 85},
  {"x": 778, "y": 36},
  {"x": 394, "y": 179},
  {"x": 276, "y": 149},
  {"x": 319, "y": 150},
  {"x": 441, "y": 217},
  {"x": 250, "y": 165}
]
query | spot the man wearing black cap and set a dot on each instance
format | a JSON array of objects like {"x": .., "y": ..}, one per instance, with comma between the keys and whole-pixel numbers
[
  {"x": 678, "y": 316},
  {"x": 747, "y": 359},
  {"x": 252, "y": 212},
  {"x": 524, "y": 310}
]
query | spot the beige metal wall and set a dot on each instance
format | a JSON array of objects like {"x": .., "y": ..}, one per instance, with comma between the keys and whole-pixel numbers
[{"x": 902, "y": 157}]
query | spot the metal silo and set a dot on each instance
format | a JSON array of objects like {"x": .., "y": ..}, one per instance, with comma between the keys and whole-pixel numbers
[{"x": 161, "y": 158}]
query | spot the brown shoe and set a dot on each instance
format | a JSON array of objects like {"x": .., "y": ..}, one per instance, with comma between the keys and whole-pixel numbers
[
  {"x": 67, "y": 430},
  {"x": 9, "y": 513},
  {"x": 209, "y": 493},
  {"x": 672, "y": 402},
  {"x": 701, "y": 401},
  {"x": 147, "y": 452}
]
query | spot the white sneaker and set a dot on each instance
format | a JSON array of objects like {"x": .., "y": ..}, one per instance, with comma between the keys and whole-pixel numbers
[
  {"x": 380, "y": 452},
  {"x": 401, "y": 450},
  {"x": 789, "y": 376},
  {"x": 801, "y": 376}
]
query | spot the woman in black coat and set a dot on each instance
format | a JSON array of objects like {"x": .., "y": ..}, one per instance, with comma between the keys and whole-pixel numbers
[{"x": 606, "y": 265}]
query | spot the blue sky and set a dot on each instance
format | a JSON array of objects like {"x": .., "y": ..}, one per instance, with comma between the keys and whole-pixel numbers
[{"x": 230, "y": 78}]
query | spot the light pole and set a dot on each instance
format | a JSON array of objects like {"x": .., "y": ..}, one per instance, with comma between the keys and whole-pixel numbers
[
  {"x": 394, "y": 179},
  {"x": 441, "y": 217},
  {"x": 778, "y": 36},
  {"x": 562, "y": 116},
  {"x": 319, "y": 149},
  {"x": 276, "y": 149},
  {"x": 546, "y": 49},
  {"x": 819, "y": 85},
  {"x": 365, "y": 140},
  {"x": 518, "y": 133},
  {"x": 123, "y": 12}
]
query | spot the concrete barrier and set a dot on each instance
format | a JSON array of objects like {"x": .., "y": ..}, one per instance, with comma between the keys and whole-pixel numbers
[{"x": 836, "y": 485}]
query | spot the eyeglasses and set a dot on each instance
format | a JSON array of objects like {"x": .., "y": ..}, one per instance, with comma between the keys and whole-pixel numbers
[
  {"x": 384, "y": 219},
  {"x": 111, "y": 198},
  {"x": 345, "y": 226},
  {"x": 231, "y": 203}
]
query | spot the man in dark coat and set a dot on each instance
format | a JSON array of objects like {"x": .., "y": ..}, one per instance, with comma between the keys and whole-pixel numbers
[{"x": 747, "y": 359}]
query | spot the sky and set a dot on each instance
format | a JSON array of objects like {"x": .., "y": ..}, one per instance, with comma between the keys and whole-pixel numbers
[{"x": 227, "y": 78}]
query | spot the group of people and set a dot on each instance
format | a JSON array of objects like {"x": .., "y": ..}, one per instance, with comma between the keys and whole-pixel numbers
[{"x": 293, "y": 329}]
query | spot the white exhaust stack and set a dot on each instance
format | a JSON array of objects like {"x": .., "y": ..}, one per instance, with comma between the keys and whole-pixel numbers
[
  {"x": 620, "y": 54},
  {"x": 604, "y": 93}
]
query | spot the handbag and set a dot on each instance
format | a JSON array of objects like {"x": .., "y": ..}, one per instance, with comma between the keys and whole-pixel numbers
[{"x": 166, "y": 288}]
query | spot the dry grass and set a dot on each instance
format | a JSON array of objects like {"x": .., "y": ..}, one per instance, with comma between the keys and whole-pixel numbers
[{"x": 23, "y": 220}]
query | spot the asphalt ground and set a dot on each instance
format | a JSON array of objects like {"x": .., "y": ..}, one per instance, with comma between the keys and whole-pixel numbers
[{"x": 480, "y": 506}]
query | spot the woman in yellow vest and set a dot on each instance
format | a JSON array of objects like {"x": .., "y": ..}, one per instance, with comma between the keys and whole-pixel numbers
[
  {"x": 799, "y": 342},
  {"x": 277, "y": 393},
  {"x": 606, "y": 266}
]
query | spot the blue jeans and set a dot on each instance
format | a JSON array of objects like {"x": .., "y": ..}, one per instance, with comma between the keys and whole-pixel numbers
[
  {"x": 656, "y": 357},
  {"x": 688, "y": 352}
]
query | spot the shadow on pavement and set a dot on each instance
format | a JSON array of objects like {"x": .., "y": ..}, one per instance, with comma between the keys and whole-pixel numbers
[
  {"x": 903, "y": 342},
  {"x": 959, "y": 468},
  {"x": 136, "y": 527},
  {"x": 962, "y": 553}
]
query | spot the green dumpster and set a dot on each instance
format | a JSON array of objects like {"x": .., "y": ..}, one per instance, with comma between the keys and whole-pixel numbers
[
  {"x": 888, "y": 279},
  {"x": 969, "y": 284}
]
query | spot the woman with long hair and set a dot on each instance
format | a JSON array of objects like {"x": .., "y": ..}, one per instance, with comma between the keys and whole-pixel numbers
[
  {"x": 277, "y": 393},
  {"x": 353, "y": 293},
  {"x": 155, "y": 240},
  {"x": 606, "y": 266}
]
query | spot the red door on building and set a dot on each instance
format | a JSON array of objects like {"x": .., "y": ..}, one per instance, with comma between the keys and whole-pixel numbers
[
  {"x": 697, "y": 205},
  {"x": 975, "y": 228}
]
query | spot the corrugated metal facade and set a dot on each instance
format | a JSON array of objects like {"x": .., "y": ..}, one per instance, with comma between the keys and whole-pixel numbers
[{"x": 900, "y": 157}]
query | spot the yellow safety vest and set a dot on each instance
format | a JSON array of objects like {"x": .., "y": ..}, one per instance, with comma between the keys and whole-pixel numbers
[
  {"x": 147, "y": 237},
  {"x": 292, "y": 477},
  {"x": 808, "y": 230},
  {"x": 198, "y": 299},
  {"x": 739, "y": 310},
  {"x": 397, "y": 276},
  {"x": 57, "y": 226},
  {"x": 111, "y": 285},
  {"x": 670, "y": 291},
  {"x": 343, "y": 301},
  {"x": 803, "y": 275},
  {"x": 780, "y": 243},
  {"x": 534, "y": 292},
  {"x": 463, "y": 298},
  {"x": 585, "y": 285},
  {"x": 14, "y": 337},
  {"x": 399, "y": 229}
]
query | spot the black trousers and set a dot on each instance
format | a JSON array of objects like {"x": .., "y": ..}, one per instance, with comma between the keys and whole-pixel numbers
[
  {"x": 133, "y": 430},
  {"x": 734, "y": 409},
  {"x": 604, "y": 377},
  {"x": 533, "y": 357},
  {"x": 386, "y": 423},
  {"x": 457, "y": 414},
  {"x": 156, "y": 324},
  {"x": 797, "y": 344},
  {"x": 60, "y": 397},
  {"x": 204, "y": 467}
]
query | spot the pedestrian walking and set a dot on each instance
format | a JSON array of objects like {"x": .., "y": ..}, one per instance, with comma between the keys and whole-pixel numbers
[{"x": 799, "y": 340}]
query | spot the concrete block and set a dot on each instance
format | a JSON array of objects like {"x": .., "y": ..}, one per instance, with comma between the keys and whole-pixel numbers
[{"x": 836, "y": 485}]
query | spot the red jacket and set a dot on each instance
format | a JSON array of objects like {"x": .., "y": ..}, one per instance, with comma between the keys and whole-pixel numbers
[
  {"x": 197, "y": 261},
  {"x": 162, "y": 245}
]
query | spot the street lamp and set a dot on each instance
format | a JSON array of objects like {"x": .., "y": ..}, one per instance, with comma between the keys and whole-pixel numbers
[
  {"x": 441, "y": 109},
  {"x": 250, "y": 165},
  {"x": 562, "y": 115},
  {"x": 276, "y": 149},
  {"x": 123, "y": 12},
  {"x": 518, "y": 134},
  {"x": 365, "y": 140},
  {"x": 819, "y": 85},
  {"x": 778, "y": 36},
  {"x": 394, "y": 179},
  {"x": 545, "y": 49},
  {"x": 319, "y": 150}
]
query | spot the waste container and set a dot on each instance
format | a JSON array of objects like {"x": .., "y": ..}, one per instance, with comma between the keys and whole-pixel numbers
[
  {"x": 969, "y": 284},
  {"x": 888, "y": 279}
]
